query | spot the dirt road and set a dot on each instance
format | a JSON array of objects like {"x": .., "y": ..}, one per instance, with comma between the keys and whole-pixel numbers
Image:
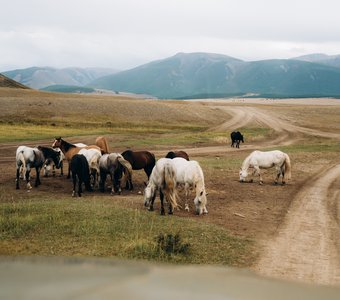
[{"x": 305, "y": 247}]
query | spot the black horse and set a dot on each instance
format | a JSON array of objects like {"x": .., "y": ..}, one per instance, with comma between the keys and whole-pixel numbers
[
  {"x": 173, "y": 154},
  {"x": 236, "y": 138},
  {"x": 80, "y": 169}
]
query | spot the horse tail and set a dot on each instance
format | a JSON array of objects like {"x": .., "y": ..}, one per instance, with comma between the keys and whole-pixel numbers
[
  {"x": 288, "y": 167},
  {"x": 127, "y": 169},
  {"x": 21, "y": 158},
  {"x": 169, "y": 185}
]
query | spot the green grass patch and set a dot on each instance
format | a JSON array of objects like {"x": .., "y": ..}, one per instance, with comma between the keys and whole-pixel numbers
[{"x": 68, "y": 227}]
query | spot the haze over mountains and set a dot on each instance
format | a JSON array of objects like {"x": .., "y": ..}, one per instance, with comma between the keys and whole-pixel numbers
[
  {"x": 204, "y": 75},
  {"x": 42, "y": 77}
]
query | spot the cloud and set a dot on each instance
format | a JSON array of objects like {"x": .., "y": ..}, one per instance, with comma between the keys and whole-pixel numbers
[{"x": 124, "y": 33}]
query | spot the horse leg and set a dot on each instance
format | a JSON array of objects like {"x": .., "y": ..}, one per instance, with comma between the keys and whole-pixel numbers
[
  {"x": 61, "y": 169},
  {"x": 102, "y": 181},
  {"x": 80, "y": 183},
  {"x": 283, "y": 175},
  {"x": 257, "y": 169},
  {"x": 74, "y": 179},
  {"x": 278, "y": 173},
  {"x": 27, "y": 176},
  {"x": 17, "y": 178},
  {"x": 187, "y": 191},
  {"x": 152, "y": 202},
  {"x": 161, "y": 196},
  {"x": 69, "y": 171},
  {"x": 37, "y": 179}
]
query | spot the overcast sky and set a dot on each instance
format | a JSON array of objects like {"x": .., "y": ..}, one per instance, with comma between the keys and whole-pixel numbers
[{"x": 122, "y": 34}]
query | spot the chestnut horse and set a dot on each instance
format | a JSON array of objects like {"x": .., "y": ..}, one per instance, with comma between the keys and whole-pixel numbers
[
  {"x": 139, "y": 160},
  {"x": 101, "y": 142},
  {"x": 173, "y": 154},
  {"x": 70, "y": 150}
]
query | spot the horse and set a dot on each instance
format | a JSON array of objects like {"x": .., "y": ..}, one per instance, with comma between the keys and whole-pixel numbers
[
  {"x": 80, "y": 170},
  {"x": 115, "y": 165},
  {"x": 190, "y": 175},
  {"x": 102, "y": 143},
  {"x": 49, "y": 164},
  {"x": 70, "y": 149},
  {"x": 265, "y": 160},
  {"x": 139, "y": 160},
  {"x": 236, "y": 138},
  {"x": 162, "y": 179},
  {"x": 27, "y": 158},
  {"x": 92, "y": 156},
  {"x": 173, "y": 154}
]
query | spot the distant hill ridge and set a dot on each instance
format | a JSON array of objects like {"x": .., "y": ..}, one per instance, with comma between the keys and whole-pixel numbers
[
  {"x": 186, "y": 75},
  {"x": 10, "y": 83},
  {"x": 41, "y": 77}
]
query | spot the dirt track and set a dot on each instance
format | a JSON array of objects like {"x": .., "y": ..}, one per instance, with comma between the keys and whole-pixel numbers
[{"x": 304, "y": 247}]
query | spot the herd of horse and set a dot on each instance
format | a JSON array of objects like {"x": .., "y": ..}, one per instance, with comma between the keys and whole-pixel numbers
[{"x": 91, "y": 164}]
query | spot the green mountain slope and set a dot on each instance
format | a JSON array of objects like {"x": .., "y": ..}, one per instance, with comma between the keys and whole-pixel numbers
[{"x": 189, "y": 75}]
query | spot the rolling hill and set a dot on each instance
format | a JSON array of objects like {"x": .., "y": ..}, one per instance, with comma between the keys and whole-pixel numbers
[
  {"x": 329, "y": 60},
  {"x": 41, "y": 77},
  {"x": 195, "y": 75},
  {"x": 10, "y": 83}
]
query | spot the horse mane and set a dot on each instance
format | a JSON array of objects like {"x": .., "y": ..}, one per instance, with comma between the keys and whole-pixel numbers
[{"x": 67, "y": 145}]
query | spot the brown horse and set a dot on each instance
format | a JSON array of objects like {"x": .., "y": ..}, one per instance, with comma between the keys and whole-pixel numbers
[
  {"x": 102, "y": 143},
  {"x": 173, "y": 154},
  {"x": 139, "y": 160},
  {"x": 70, "y": 150}
]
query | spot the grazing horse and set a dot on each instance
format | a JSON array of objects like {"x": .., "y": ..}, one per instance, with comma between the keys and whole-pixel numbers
[
  {"x": 115, "y": 165},
  {"x": 139, "y": 160},
  {"x": 236, "y": 138},
  {"x": 162, "y": 179},
  {"x": 49, "y": 164},
  {"x": 173, "y": 154},
  {"x": 80, "y": 170},
  {"x": 70, "y": 149},
  {"x": 92, "y": 156},
  {"x": 27, "y": 158},
  {"x": 102, "y": 143},
  {"x": 265, "y": 160},
  {"x": 190, "y": 175}
]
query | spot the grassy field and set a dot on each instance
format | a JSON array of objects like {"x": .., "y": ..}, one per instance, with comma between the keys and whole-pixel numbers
[{"x": 48, "y": 223}]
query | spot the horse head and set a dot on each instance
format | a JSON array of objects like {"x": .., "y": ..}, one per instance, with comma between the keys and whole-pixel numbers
[
  {"x": 148, "y": 195},
  {"x": 57, "y": 142},
  {"x": 243, "y": 175},
  {"x": 200, "y": 202}
]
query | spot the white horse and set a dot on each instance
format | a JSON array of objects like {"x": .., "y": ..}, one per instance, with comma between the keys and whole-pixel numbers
[
  {"x": 162, "y": 179},
  {"x": 265, "y": 160},
  {"x": 27, "y": 158},
  {"x": 190, "y": 175},
  {"x": 92, "y": 156}
]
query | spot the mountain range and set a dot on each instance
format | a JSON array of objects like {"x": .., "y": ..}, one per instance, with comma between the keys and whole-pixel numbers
[
  {"x": 206, "y": 75},
  {"x": 42, "y": 77}
]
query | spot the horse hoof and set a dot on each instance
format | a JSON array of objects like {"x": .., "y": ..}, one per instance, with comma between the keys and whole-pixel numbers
[
  {"x": 261, "y": 182},
  {"x": 162, "y": 213},
  {"x": 251, "y": 180},
  {"x": 151, "y": 209},
  {"x": 283, "y": 183}
]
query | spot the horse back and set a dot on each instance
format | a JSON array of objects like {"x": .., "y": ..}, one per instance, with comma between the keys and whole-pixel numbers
[{"x": 139, "y": 159}]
